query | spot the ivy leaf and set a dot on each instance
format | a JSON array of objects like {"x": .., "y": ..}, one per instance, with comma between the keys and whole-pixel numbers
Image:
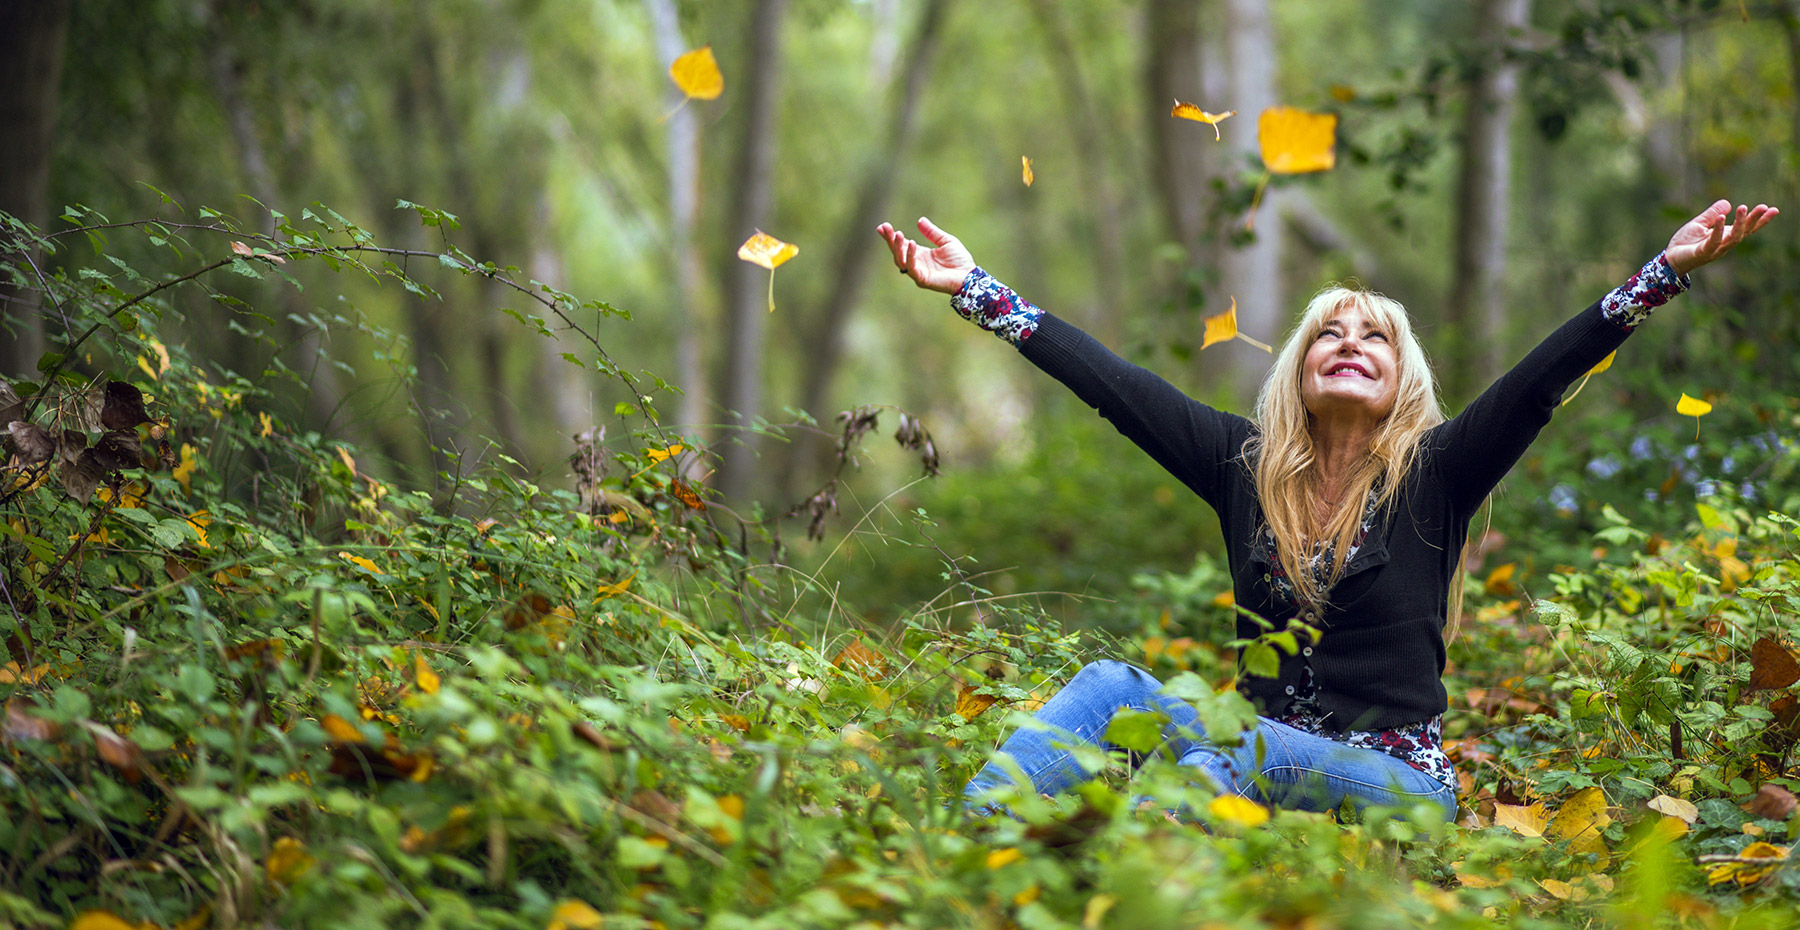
[
  {"x": 697, "y": 74},
  {"x": 1189, "y": 111}
]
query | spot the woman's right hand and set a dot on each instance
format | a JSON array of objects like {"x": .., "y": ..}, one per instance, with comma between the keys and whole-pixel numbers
[{"x": 941, "y": 268}]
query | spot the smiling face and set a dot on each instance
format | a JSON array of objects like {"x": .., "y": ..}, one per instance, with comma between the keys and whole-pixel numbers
[{"x": 1350, "y": 370}]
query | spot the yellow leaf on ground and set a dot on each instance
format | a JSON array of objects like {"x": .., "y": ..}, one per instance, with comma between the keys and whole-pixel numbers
[
  {"x": 1685, "y": 811},
  {"x": 1223, "y": 327},
  {"x": 1525, "y": 820},
  {"x": 1747, "y": 873},
  {"x": 1502, "y": 873},
  {"x": 575, "y": 914},
  {"x": 1580, "y": 821},
  {"x": 1294, "y": 141},
  {"x": 1563, "y": 891},
  {"x": 1692, "y": 406},
  {"x": 1189, "y": 111},
  {"x": 1238, "y": 810},
  {"x": 697, "y": 74},
  {"x": 100, "y": 920},
  {"x": 361, "y": 563},
  {"x": 288, "y": 861},
  {"x": 428, "y": 680},
  {"x": 766, "y": 250},
  {"x": 1026, "y": 162},
  {"x": 970, "y": 704},
  {"x": 1002, "y": 857}
]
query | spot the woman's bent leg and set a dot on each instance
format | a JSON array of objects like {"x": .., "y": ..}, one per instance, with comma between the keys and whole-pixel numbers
[
  {"x": 1287, "y": 767},
  {"x": 1080, "y": 713}
]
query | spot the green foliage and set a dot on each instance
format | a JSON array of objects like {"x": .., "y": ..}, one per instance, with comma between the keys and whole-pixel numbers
[{"x": 248, "y": 682}]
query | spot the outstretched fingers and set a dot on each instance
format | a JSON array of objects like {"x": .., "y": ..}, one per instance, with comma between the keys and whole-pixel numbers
[{"x": 932, "y": 231}]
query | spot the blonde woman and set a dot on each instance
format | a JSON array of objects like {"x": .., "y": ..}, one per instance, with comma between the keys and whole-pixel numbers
[{"x": 1344, "y": 503}]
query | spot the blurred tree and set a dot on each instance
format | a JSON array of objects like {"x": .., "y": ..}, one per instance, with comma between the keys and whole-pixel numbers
[{"x": 31, "y": 57}]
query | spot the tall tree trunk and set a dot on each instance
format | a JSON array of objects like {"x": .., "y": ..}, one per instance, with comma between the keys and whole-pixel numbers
[
  {"x": 32, "y": 36},
  {"x": 1478, "y": 296},
  {"x": 1178, "y": 162},
  {"x": 690, "y": 317},
  {"x": 1089, "y": 129},
  {"x": 752, "y": 208},
  {"x": 824, "y": 326},
  {"x": 1251, "y": 272}
]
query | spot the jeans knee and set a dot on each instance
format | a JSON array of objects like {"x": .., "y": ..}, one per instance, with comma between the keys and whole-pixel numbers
[{"x": 1111, "y": 675}]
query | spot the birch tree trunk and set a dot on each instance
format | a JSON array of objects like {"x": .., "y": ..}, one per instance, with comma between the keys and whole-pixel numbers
[
  {"x": 1251, "y": 272},
  {"x": 752, "y": 207},
  {"x": 32, "y": 34},
  {"x": 689, "y": 316},
  {"x": 1172, "y": 72},
  {"x": 1478, "y": 298}
]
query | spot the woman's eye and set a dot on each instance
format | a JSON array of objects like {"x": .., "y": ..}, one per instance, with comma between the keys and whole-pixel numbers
[{"x": 1377, "y": 335}]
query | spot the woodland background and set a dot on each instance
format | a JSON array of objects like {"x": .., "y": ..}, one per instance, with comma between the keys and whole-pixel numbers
[{"x": 408, "y": 451}]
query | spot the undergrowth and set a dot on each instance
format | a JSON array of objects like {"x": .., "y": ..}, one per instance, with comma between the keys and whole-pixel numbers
[{"x": 249, "y": 682}]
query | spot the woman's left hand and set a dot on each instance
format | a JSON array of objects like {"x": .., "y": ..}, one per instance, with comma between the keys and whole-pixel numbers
[{"x": 1708, "y": 236}]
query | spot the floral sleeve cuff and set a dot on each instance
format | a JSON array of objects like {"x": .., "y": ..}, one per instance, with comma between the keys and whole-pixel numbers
[
  {"x": 994, "y": 307},
  {"x": 1630, "y": 303}
]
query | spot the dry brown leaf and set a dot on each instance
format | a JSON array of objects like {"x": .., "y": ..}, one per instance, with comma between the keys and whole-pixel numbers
[
  {"x": 1685, "y": 811},
  {"x": 33, "y": 443},
  {"x": 21, "y": 724},
  {"x": 1772, "y": 802},
  {"x": 857, "y": 657},
  {"x": 1771, "y": 666}
]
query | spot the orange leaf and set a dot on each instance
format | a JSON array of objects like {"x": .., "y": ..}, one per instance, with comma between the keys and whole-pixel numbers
[
  {"x": 686, "y": 495},
  {"x": 697, "y": 74},
  {"x": 969, "y": 704},
  {"x": 1189, "y": 111},
  {"x": 1026, "y": 161},
  {"x": 859, "y": 658},
  {"x": 766, "y": 250},
  {"x": 1499, "y": 582},
  {"x": 428, "y": 680},
  {"x": 340, "y": 729},
  {"x": 1294, "y": 141},
  {"x": 1771, "y": 666},
  {"x": 1223, "y": 327}
]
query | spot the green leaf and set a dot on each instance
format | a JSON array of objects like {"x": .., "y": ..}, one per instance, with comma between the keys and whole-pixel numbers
[{"x": 1136, "y": 730}]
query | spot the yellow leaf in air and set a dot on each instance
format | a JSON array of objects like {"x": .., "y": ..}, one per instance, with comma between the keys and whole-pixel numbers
[
  {"x": 1580, "y": 821},
  {"x": 1189, "y": 111},
  {"x": 361, "y": 563},
  {"x": 428, "y": 680},
  {"x": 697, "y": 74},
  {"x": 268, "y": 425},
  {"x": 1692, "y": 407},
  {"x": 1026, "y": 161},
  {"x": 1525, "y": 820},
  {"x": 769, "y": 252},
  {"x": 575, "y": 914},
  {"x": 1605, "y": 363},
  {"x": 288, "y": 861},
  {"x": 658, "y": 455},
  {"x": 1295, "y": 142},
  {"x": 1223, "y": 327},
  {"x": 1238, "y": 810},
  {"x": 1002, "y": 857},
  {"x": 766, "y": 250}
]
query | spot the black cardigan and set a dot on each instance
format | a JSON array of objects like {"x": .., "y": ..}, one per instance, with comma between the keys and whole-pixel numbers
[{"x": 1380, "y": 661}]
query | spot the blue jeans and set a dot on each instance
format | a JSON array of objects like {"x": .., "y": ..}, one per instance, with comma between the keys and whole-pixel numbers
[{"x": 1275, "y": 764}]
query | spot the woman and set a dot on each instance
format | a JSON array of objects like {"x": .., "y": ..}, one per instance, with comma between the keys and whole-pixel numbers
[{"x": 1344, "y": 504}]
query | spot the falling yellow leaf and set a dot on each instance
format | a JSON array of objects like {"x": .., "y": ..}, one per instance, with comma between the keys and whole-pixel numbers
[
  {"x": 658, "y": 455},
  {"x": 1235, "y": 809},
  {"x": 697, "y": 74},
  {"x": 1223, "y": 327},
  {"x": 288, "y": 861},
  {"x": 1604, "y": 364},
  {"x": 1026, "y": 161},
  {"x": 769, "y": 252},
  {"x": 1003, "y": 857},
  {"x": 361, "y": 563},
  {"x": 1189, "y": 111},
  {"x": 1692, "y": 407},
  {"x": 428, "y": 680},
  {"x": 766, "y": 250},
  {"x": 1294, "y": 141},
  {"x": 268, "y": 425}
]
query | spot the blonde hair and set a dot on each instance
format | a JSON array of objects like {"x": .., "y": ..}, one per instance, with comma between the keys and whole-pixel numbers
[{"x": 1282, "y": 456}]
